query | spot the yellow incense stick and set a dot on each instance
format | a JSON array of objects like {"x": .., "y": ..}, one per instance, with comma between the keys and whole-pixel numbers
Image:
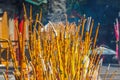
[
  {"x": 95, "y": 39},
  {"x": 113, "y": 74}
]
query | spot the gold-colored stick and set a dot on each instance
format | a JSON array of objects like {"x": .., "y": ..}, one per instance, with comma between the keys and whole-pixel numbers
[
  {"x": 106, "y": 73},
  {"x": 96, "y": 35},
  {"x": 5, "y": 76},
  {"x": 113, "y": 75}
]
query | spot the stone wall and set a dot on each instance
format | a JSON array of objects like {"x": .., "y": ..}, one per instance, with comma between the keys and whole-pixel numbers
[{"x": 56, "y": 10}]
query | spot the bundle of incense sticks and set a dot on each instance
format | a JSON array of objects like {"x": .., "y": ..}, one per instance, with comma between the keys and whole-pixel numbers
[{"x": 59, "y": 51}]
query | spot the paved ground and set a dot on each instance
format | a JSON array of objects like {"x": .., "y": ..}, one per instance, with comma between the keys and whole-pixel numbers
[
  {"x": 11, "y": 76},
  {"x": 113, "y": 68}
]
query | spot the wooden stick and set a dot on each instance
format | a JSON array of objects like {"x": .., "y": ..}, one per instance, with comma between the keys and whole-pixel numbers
[
  {"x": 113, "y": 74},
  {"x": 106, "y": 73},
  {"x": 95, "y": 39}
]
